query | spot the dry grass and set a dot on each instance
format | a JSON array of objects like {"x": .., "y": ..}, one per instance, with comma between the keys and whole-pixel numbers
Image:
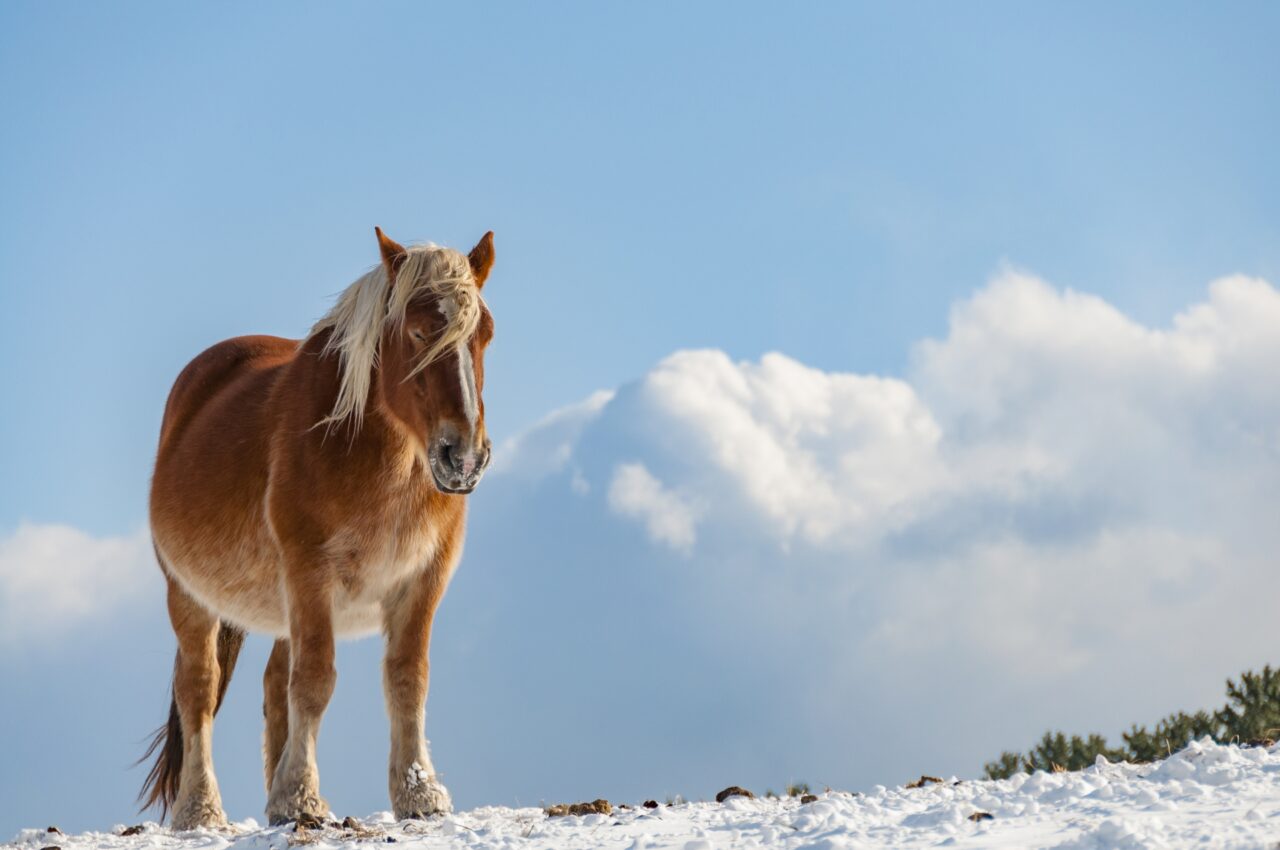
[{"x": 596, "y": 807}]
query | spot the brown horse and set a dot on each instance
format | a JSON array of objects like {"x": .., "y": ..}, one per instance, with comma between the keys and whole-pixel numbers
[{"x": 314, "y": 489}]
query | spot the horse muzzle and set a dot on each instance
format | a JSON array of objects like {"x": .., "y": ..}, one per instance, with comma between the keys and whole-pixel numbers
[{"x": 457, "y": 468}]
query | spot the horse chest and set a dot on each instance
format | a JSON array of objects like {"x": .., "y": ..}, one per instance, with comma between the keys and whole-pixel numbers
[{"x": 373, "y": 561}]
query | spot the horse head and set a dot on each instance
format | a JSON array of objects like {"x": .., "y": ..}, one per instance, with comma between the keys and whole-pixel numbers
[{"x": 431, "y": 362}]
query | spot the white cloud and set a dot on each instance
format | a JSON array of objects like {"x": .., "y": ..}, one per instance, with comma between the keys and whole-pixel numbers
[
  {"x": 54, "y": 577},
  {"x": 634, "y": 492},
  {"x": 1035, "y": 395},
  {"x": 1054, "y": 496},
  {"x": 810, "y": 454}
]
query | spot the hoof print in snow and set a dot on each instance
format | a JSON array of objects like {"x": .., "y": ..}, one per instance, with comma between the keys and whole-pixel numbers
[
  {"x": 651, "y": 804},
  {"x": 598, "y": 807},
  {"x": 733, "y": 791},
  {"x": 808, "y": 798},
  {"x": 923, "y": 781},
  {"x": 981, "y": 816},
  {"x": 136, "y": 829}
]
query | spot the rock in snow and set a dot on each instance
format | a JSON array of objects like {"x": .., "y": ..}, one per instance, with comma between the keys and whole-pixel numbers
[{"x": 1206, "y": 796}]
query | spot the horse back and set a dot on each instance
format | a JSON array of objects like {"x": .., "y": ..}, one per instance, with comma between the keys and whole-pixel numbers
[{"x": 241, "y": 370}]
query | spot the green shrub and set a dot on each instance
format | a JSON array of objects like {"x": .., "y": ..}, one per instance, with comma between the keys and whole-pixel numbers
[
  {"x": 1055, "y": 751},
  {"x": 1253, "y": 710},
  {"x": 1007, "y": 765},
  {"x": 1170, "y": 735},
  {"x": 1252, "y": 714}
]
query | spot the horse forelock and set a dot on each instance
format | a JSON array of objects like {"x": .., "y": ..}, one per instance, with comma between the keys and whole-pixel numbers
[{"x": 365, "y": 309}]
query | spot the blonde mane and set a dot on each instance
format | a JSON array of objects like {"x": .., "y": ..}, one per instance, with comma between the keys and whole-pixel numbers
[{"x": 371, "y": 304}]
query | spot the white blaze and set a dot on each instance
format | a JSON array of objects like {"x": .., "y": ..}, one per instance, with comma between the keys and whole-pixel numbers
[
  {"x": 467, "y": 375},
  {"x": 466, "y": 370}
]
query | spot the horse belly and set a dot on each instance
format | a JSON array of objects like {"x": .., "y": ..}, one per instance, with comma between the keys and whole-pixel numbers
[{"x": 238, "y": 582}]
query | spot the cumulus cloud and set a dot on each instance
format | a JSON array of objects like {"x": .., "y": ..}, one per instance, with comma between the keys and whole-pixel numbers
[
  {"x": 805, "y": 453},
  {"x": 1055, "y": 503},
  {"x": 55, "y": 577},
  {"x": 1036, "y": 396}
]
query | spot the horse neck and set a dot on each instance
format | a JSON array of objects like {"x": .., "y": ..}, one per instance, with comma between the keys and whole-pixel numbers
[{"x": 375, "y": 437}]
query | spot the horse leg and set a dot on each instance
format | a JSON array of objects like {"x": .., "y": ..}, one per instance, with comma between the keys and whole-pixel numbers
[
  {"x": 275, "y": 707},
  {"x": 295, "y": 787},
  {"x": 416, "y": 791},
  {"x": 195, "y": 691}
]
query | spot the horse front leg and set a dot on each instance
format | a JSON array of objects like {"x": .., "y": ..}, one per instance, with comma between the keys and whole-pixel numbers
[
  {"x": 416, "y": 790},
  {"x": 295, "y": 786}
]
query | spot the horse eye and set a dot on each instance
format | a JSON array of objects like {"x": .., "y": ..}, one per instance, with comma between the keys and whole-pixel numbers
[{"x": 418, "y": 336}]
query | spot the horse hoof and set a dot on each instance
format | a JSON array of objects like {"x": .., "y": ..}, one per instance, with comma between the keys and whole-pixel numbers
[
  {"x": 426, "y": 798},
  {"x": 198, "y": 816},
  {"x": 308, "y": 811}
]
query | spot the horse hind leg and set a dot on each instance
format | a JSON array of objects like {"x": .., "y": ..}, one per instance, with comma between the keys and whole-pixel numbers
[
  {"x": 275, "y": 708},
  {"x": 198, "y": 685}
]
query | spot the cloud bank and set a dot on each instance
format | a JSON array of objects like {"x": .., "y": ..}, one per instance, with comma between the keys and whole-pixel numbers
[
  {"x": 53, "y": 578},
  {"x": 1058, "y": 516},
  {"x": 1035, "y": 394}
]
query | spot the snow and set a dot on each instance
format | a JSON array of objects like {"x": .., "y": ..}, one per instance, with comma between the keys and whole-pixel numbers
[{"x": 1208, "y": 795}]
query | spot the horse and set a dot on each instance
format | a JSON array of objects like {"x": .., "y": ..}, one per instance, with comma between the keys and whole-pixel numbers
[{"x": 315, "y": 489}]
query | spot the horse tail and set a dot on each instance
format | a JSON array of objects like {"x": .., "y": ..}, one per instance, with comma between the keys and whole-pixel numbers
[{"x": 161, "y": 785}]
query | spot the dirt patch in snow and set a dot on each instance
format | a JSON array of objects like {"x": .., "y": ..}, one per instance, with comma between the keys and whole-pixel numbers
[{"x": 733, "y": 791}]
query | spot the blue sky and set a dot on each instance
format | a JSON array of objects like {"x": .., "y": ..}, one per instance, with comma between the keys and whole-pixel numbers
[{"x": 833, "y": 182}]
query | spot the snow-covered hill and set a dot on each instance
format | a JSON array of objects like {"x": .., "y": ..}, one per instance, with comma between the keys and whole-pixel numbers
[{"x": 1204, "y": 796}]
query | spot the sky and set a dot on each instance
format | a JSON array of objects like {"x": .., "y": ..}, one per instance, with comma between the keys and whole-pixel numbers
[{"x": 874, "y": 387}]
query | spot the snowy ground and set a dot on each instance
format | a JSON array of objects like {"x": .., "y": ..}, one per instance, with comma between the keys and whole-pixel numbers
[{"x": 1205, "y": 796}]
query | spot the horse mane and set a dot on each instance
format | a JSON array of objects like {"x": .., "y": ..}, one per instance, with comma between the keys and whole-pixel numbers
[{"x": 372, "y": 303}]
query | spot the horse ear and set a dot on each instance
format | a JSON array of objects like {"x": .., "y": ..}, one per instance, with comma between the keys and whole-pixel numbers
[
  {"x": 481, "y": 259},
  {"x": 393, "y": 252}
]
